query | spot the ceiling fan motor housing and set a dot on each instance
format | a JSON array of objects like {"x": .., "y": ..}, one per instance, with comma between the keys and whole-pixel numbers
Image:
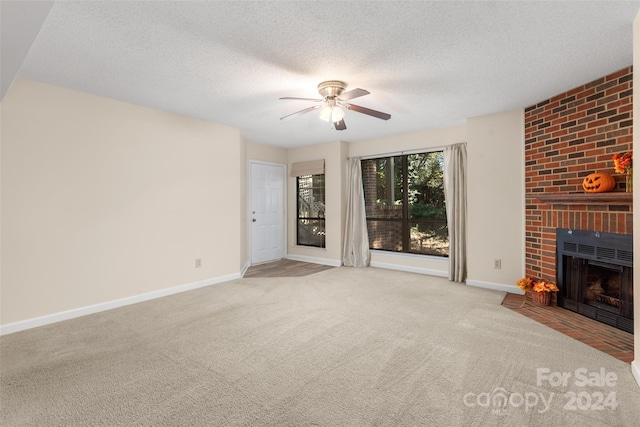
[{"x": 331, "y": 89}]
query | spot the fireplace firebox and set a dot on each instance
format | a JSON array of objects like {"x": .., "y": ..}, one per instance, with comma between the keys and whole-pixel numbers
[{"x": 595, "y": 275}]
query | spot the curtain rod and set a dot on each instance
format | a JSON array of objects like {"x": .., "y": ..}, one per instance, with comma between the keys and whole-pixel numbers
[{"x": 400, "y": 153}]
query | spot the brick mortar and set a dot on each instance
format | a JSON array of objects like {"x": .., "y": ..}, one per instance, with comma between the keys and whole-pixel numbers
[{"x": 568, "y": 137}]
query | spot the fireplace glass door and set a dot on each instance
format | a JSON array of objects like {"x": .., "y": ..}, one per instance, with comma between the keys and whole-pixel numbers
[{"x": 595, "y": 276}]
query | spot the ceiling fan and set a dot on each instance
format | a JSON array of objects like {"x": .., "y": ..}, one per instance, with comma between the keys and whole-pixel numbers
[{"x": 333, "y": 102}]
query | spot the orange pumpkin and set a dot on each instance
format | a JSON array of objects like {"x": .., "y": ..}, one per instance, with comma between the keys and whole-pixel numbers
[{"x": 598, "y": 183}]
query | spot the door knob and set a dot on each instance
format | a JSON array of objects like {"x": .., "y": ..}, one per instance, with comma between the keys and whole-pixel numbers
[{"x": 254, "y": 220}]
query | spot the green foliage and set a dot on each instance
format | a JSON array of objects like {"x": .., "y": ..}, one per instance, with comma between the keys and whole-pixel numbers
[
  {"x": 422, "y": 211},
  {"x": 425, "y": 177}
]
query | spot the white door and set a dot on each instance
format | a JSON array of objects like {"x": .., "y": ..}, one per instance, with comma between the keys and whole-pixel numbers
[{"x": 267, "y": 212}]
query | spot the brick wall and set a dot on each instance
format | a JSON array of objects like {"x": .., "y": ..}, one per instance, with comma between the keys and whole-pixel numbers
[{"x": 568, "y": 137}]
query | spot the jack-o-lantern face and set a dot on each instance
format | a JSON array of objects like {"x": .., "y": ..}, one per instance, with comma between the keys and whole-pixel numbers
[{"x": 598, "y": 183}]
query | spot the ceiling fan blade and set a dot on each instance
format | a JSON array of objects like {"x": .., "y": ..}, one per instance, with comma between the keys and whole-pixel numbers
[
  {"x": 299, "y": 113},
  {"x": 340, "y": 125},
  {"x": 302, "y": 99},
  {"x": 368, "y": 111},
  {"x": 355, "y": 93}
]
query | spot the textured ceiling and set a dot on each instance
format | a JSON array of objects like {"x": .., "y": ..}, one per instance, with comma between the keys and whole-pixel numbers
[{"x": 428, "y": 64}]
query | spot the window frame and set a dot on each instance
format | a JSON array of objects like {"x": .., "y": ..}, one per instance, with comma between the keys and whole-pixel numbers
[
  {"x": 405, "y": 221},
  {"x": 323, "y": 243}
]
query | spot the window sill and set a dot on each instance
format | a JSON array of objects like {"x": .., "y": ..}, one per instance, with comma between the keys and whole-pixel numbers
[
  {"x": 431, "y": 258},
  {"x": 311, "y": 248}
]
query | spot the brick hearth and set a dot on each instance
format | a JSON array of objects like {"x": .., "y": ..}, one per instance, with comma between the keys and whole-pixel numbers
[{"x": 610, "y": 340}]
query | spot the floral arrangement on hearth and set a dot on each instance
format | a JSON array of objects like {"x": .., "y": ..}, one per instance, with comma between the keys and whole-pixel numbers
[
  {"x": 526, "y": 283},
  {"x": 623, "y": 164},
  {"x": 544, "y": 286},
  {"x": 540, "y": 290}
]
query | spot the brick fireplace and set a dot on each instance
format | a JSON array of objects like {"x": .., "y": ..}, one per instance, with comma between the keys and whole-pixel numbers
[{"x": 568, "y": 137}]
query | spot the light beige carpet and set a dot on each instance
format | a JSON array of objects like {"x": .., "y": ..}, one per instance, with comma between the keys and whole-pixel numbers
[{"x": 343, "y": 347}]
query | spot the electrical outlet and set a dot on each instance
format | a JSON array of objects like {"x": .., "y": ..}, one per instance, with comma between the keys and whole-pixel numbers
[
  {"x": 198, "y": 262},
  {"x": 497, "y": 263}
]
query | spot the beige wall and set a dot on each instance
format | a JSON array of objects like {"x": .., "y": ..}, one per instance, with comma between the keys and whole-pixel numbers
[
  {"x": 104, "y": 200},
  {"x": 495, "y": 199},
  {"x": 334, "y": 155},
  {"x": 266, "y": 153},
  {"x": 428, "y": 139},
  {"x": 432, "y": 138}
]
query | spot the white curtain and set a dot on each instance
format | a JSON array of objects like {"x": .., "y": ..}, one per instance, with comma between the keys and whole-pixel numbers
[
  {"x": 356, "y": 239},
  {"x": 455, "y": 194}
]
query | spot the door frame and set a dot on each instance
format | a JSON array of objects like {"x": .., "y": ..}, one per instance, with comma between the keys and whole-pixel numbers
[{"x": 250, "y": 201}]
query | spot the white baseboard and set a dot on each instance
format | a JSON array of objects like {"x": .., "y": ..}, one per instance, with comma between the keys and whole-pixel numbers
[
  {"x": 512, "y": 289},
  {"x": 635, "y": 369},
  {"x": 409, "y": 269},
  {"x": 323, "y": 261},
  {"x": 245, "y": 268},
  {"x": 22, "y": 325}
]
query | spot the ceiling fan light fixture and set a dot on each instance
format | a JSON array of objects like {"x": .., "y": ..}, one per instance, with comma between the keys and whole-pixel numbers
[
  {"x": 337, "y": 114},
  {"x": 326, "y": 113}
]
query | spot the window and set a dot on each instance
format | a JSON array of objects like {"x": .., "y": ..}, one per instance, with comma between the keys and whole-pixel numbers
[
  {"x": 311, "y": 209},
  {"x": 404, "y": 202}
]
